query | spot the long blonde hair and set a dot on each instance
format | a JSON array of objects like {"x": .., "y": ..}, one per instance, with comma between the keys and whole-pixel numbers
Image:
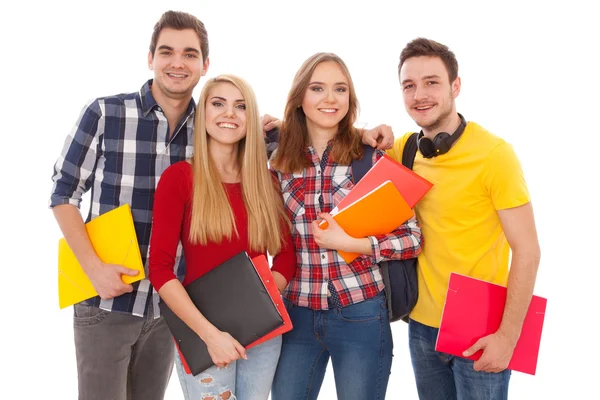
[
  {"x": 293, "y": 137},
  {"x": 212, "y": 216}
]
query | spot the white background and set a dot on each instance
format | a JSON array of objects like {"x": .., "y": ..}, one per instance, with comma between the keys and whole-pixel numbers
[{"x": 528, "y": 71}]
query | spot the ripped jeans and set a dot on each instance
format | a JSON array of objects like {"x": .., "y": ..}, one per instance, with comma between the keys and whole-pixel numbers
[{"x": 243, "y": 380}]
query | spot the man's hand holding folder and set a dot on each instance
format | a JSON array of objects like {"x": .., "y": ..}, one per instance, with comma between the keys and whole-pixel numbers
[{"x": 108, "y": 249}]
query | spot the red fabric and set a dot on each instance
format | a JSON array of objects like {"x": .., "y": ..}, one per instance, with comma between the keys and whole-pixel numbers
[{"x": 171, "y": 223}]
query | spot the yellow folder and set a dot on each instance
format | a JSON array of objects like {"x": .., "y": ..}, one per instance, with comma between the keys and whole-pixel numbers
[{"x": 113, "y": 237}]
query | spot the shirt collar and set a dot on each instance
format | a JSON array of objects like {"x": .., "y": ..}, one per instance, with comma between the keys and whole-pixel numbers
[{"x": 149, "y": 103}]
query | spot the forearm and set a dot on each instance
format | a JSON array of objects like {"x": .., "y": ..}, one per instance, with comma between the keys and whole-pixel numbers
[
  {"x": 173, "y": 293},
  {"x": 73, "y": 229},
  {"x": 354, "y": 245},
  {"x": 521, "y": 282}
]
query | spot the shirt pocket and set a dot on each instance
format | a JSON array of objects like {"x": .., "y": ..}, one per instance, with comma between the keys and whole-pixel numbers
[
  {"x": 293, "y": 196},
  {"x": 340, "y": 185}
]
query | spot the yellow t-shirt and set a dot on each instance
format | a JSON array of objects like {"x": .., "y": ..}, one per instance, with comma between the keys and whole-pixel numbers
[{"x": 459, "y": 221}]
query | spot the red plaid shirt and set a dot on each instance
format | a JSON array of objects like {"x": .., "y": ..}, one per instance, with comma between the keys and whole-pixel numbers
[{"x": 354, "y": 282}]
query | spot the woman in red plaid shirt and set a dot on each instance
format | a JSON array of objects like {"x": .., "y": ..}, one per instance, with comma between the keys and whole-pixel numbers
[{"x": 338, "y": 309}]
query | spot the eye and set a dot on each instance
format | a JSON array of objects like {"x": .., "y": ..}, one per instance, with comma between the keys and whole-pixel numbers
[
  {"x": 316, "y": 88},
  {"x": 341, "y": 89},
  {"x": 165, "y": 53},
  {"x": 191, "y": 55},
  {"x": 409, "y": 86},
  {"x": 241, "y": 106},
  {"x": 217, "y": 104},
  {"x": 431, "y": 82}
]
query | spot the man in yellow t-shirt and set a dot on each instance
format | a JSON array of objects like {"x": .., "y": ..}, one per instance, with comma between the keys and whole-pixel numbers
[{"x": 476, "y": 213}]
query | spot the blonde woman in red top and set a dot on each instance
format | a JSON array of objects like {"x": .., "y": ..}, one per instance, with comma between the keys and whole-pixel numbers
[{"x": 220, "y": 202}]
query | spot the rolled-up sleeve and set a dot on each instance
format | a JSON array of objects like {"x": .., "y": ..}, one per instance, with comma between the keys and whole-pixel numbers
[
  {"x": 74, "y": 170},
  {"x": 403, "y": 243}
]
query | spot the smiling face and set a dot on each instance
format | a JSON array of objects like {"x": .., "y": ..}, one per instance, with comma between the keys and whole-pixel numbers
[
  {"x": 428, "y": 94},
  {"x": 177, "y": 64},
  {"x": 327, "y": 98},
  {"x": 225, "y": 114}
]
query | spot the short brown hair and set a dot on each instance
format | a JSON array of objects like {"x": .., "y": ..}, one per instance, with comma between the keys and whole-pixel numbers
[
  {"x": 293, "y": 138},
  {"x": 427, "y": 47},
  {"x": 179, "y": 20}
]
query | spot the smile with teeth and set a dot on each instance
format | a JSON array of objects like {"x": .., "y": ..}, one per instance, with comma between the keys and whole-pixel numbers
[
  {"x": 328, "y": 110},
  {"x": 227, "y": 125},
  {"x": 423, "y": 108},
  {"x": 179, "y": 76}
]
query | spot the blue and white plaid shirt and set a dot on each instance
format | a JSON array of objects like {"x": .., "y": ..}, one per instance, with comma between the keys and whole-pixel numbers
[{"x": 119, "y": 148}]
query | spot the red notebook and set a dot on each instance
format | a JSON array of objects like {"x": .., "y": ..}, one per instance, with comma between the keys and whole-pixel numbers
[
  {"x": 410, "y": 185},
  {"x": 262, "y": 268},
  {"x": 474, "y": 309}
]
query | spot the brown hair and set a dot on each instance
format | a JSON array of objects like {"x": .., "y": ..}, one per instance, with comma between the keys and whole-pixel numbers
[
  {"x": 293, "y": 137},
  {"x": 427, "y": 47},
  {"x": 179, "y": 20},
  {"x": 212, "y": 216}
]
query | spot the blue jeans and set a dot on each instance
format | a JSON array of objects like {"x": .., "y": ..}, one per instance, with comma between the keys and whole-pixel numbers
[
  {"x": 441, "y": 376},
  {"x": 357, "y": 338},
  {"x": 249, "y": 379}
]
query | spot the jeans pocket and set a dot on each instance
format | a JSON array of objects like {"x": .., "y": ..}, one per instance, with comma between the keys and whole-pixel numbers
[
  {"x": 84, "y": 315},
  {"x": 365, "y": 311}
]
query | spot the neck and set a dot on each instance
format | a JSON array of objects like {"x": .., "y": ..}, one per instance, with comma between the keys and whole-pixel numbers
[
  {"x": 319, "y": 137},
  {"x": 173, "y": 108},
  {"x": 449, "y": 124},
  {"x": 225, "y": 157}
]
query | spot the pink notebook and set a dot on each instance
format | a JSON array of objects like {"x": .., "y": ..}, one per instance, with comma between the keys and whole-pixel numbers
[
  {"x": 410, "y": 185},
  {"x": 474, "y": 309}
]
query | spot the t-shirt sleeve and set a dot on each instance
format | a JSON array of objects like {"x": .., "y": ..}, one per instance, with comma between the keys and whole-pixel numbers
[
  {"x": 504, "y": 179},
  {"x": 167, "y": 222}
]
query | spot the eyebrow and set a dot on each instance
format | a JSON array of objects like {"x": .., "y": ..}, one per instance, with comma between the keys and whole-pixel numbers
[
  {"x": 424, "y": 78},
  {"x": 186, "y": 50},
  {"x": 224, "y": 99},
  {"x": 322, "y": 83}
]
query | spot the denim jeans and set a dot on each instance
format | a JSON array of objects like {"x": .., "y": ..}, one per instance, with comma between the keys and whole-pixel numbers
[
  {"x": 121, "y": 356},
  {"x": 249, "y": 379},
  {"x": 441, "y": 376},
  {"x": 357, "y": 338}
]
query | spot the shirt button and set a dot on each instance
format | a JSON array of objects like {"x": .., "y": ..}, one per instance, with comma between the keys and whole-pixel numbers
[
  {"x": 323, "y": 256},
  {"x": 318, "y": 192},
  {"x": 319, "y": 171},
  {"x": 159, "y": 109}
]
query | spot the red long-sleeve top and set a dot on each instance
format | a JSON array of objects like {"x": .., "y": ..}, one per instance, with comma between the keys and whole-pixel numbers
[{"x": 171, "y": 223}]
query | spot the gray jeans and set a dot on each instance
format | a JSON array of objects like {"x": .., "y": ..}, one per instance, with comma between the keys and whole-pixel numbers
[{"x": 120, "y": 356}]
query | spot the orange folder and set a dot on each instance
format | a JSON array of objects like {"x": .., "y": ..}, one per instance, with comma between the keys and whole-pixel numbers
[
  {"x": 474, "y": 309},
  {"x": 377, "y": 212},
  {"x": 410, "y": 185},
  {"x": 261, "y": 265}
]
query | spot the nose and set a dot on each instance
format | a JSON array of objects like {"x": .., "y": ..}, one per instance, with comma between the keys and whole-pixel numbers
[
  {"x": 420, "y": 93},
  {"x": 330, "y": 97},
  {"x": 229, "y": 112},
  {"x": 177, "y": 61}
]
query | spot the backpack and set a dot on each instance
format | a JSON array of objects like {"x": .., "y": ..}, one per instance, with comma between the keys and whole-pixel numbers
[{"x": 399, "y": 276}]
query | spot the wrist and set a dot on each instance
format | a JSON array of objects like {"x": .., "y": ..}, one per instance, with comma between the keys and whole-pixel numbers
[
  {"x": 207, "y": 331},
  {"x": 511, "y": 335}
]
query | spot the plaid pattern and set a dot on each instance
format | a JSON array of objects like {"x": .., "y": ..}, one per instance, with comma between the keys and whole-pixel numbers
[
  {"x": 317, "y": 267},
  {"x": 118, "y": 148}
]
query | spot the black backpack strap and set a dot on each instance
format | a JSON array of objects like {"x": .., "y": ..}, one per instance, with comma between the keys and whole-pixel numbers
[
  {"x": 410, "y": 151},
  {"x": 362, "y": 165}
]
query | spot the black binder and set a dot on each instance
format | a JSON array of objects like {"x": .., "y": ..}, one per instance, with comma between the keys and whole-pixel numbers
[{"x": 234, "y": 299}]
